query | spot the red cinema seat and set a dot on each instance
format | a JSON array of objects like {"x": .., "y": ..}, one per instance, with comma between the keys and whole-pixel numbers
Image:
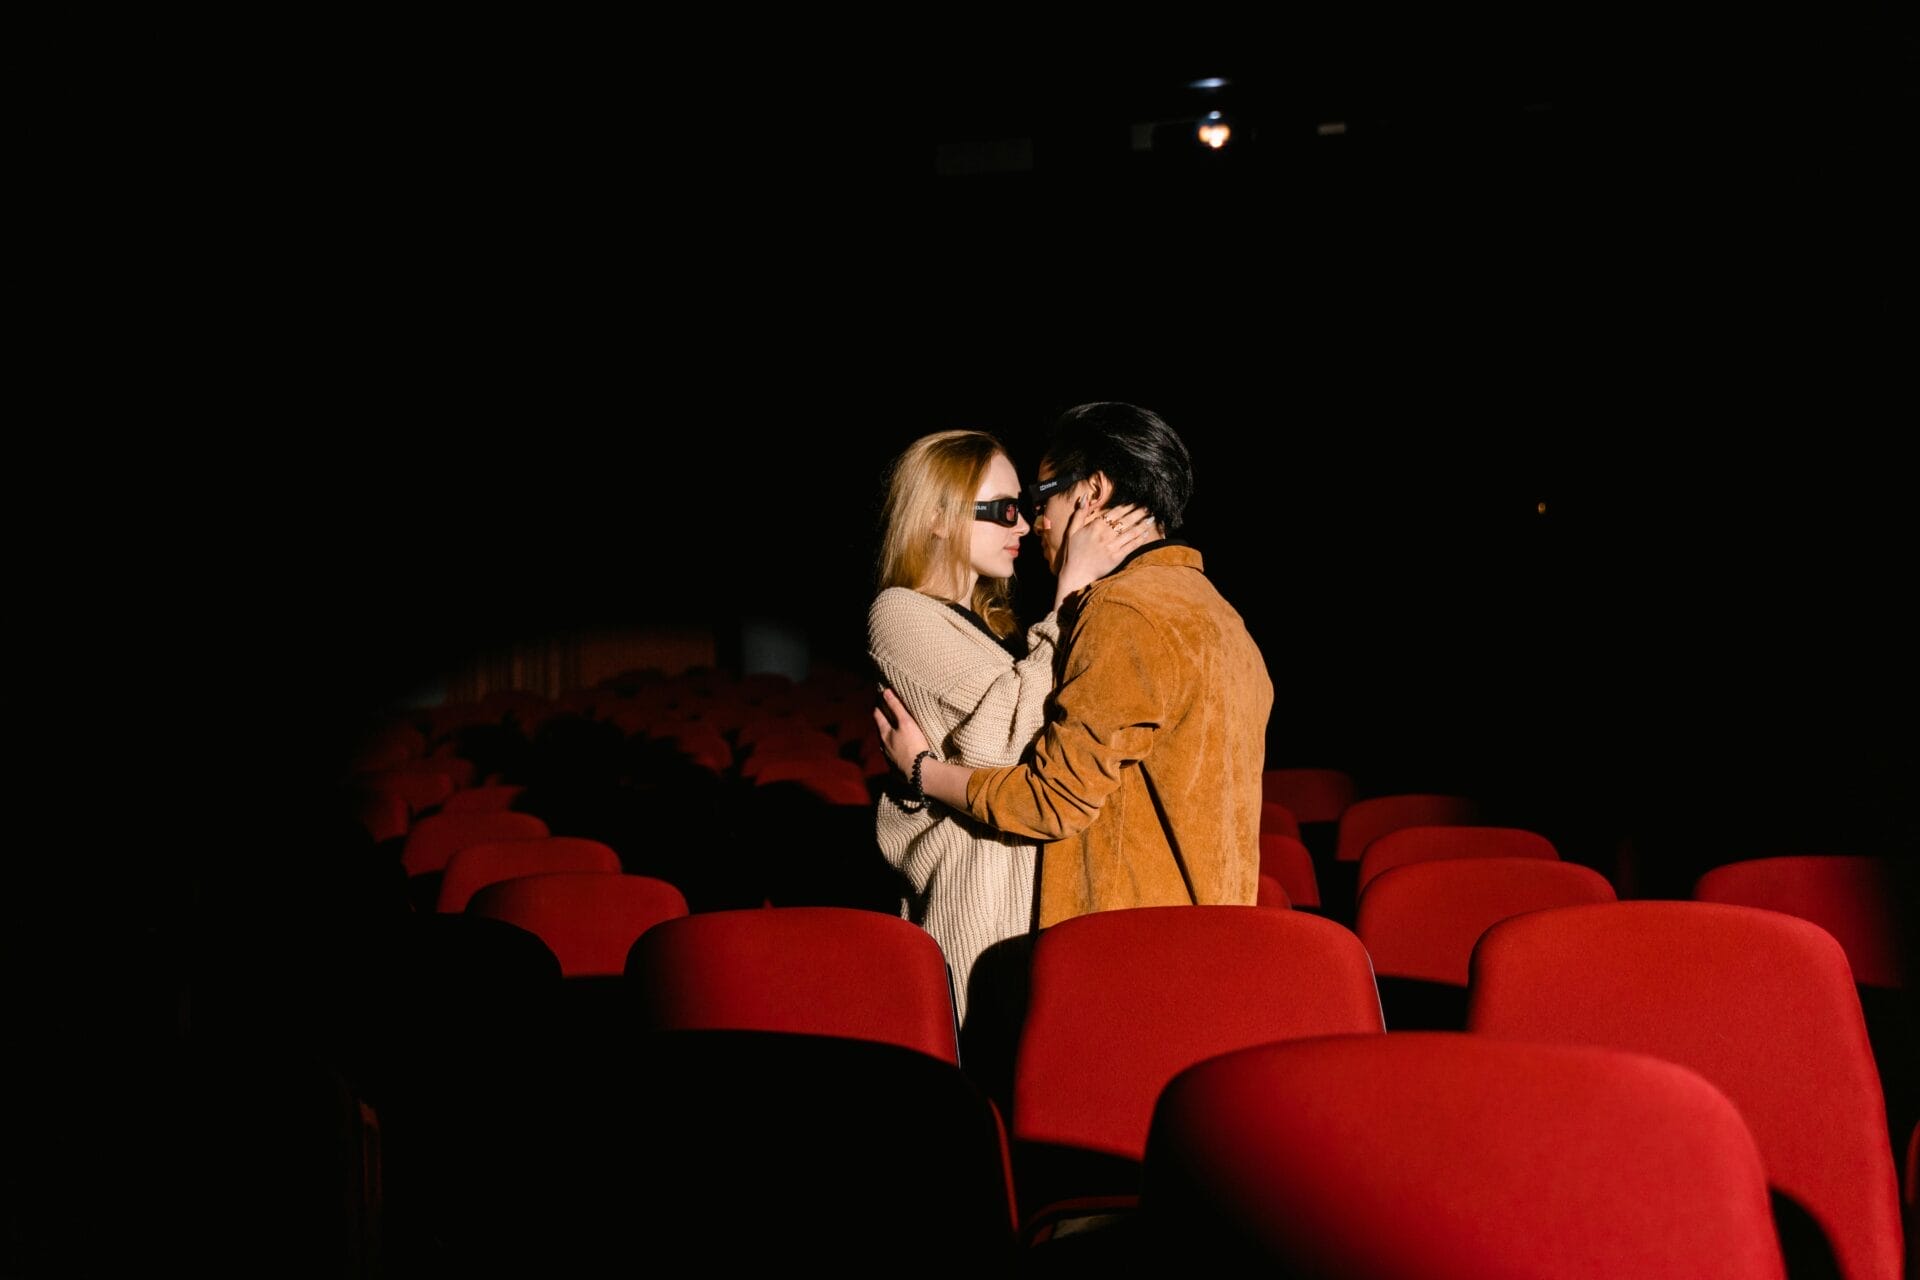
[
  {"x": 1364, "y": 821},
  {"x": 1420, "y": 923},
  {"x": 435, "y": 838},
  {"x": 490, "y": 799},
  {"x": 1123, "y": 1000},
  {"x": 1445, "y": 1156},
  {"x": 1311, "y": 795},
  {"x": 1864, "y": 902},
  {"x": 1760, "y": 1003},
  {"x": 1431, "y": 843},
  {"x": 477, "y": 865},
  {"x": 815, "y": 970},
  {"x": 1291, "y": 863},
  {"x": 588, "y": 919},
  {"x": 1277, "y": 819}
]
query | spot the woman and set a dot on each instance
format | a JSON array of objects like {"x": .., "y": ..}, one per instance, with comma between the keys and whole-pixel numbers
[{"x": 941, "y": 633}]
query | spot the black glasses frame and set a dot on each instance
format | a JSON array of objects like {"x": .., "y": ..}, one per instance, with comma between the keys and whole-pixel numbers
[
  {"x": 1001, "y": 511},
  {"x": 1040, "y": 490}
]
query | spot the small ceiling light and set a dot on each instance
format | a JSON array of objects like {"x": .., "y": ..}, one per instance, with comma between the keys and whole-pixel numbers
[
  {"x": 1211, "y": 82},
  {"x": 1214, "y": 130}
]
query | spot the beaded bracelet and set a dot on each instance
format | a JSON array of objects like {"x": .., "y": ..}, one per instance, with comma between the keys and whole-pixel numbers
[{"x": 920, "y": 796}]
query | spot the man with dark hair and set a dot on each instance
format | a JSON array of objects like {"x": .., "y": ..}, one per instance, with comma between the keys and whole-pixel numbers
[{"x": 1145, "y": 783}]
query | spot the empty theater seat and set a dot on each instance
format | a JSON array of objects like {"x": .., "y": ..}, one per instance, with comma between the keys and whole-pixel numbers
[
  {"x": 836, "y": 971},
  {"x": 1760, "y": 1003},
  {"x": 1123, "y": 1000},
  {"x": 1429, "y": 1156}
]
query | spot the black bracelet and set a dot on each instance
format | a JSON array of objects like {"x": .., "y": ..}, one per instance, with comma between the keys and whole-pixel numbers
[{"x": 919, "y": 793}]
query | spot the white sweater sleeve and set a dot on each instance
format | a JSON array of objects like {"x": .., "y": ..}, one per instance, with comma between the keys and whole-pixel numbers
[{"x": 977, "y": 705}]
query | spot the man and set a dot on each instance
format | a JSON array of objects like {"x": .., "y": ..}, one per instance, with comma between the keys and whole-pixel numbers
[{"x": 1145, "y": 783}]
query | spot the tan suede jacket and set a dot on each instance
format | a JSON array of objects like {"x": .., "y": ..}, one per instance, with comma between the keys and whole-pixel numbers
[{"x": 1145, "y": 784}]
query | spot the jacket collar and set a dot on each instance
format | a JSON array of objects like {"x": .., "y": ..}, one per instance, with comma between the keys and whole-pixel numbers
[
  {"x": 1171, "y": 552},
  {"x": 1167, "y": 551}
]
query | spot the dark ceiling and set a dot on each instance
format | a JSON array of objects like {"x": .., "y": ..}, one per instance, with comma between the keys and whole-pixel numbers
[
  {"x": 633, "y": 325},
  {"x": 1601, "y": 96}
]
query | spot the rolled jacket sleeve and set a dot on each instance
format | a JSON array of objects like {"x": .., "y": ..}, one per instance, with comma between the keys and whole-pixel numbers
[{"x": 1109, "y": 704}]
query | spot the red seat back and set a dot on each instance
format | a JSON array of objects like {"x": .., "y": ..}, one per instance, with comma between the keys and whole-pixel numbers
[
  {"x": 1122, "y": 1000},
  {"x": 1860, "y": 900},
  {"x": 1366, "y": 820},
  {"x": 1311, "y": 795},
  {"x": 832, "y": 779},
  {"x": 1277, "y": 819},
  {"x": 482, "y": 799},
  {"x": 1418, "y": 1156},
  {"x": 479, "y": 865},
  {"x": 435, "y": 838},
  {"x": 1289, "y": 861},
  {"x": 588, "y": 919},
  {"x": 1760, "y": 1003},
  {"x": 834, "y": 971},
  {"x": 1422, "y": 920},
  {"x": 1430, "y": 843}
]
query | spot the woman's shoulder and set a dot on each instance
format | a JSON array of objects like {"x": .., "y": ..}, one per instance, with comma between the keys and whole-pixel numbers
[
  {"x": 901, "y": 607},
  {"x": 906, "y": 602},
  {"x": 901, "y": 617}
]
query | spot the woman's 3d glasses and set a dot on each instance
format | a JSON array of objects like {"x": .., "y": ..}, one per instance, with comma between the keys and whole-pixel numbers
[{"x": 1003, "y": 511}]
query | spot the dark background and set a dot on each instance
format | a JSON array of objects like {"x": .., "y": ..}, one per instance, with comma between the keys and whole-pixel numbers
[
  {"x": 439, "y": 337},
  {"x": 460, "y": 335},
  {"x": 608, "y": 332}
]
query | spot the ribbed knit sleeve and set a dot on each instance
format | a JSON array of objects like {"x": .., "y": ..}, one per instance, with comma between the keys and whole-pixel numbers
[{"x": 976, "y": 704}]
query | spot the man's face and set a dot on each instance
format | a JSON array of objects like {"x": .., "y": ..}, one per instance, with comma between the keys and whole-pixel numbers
[{"x": 1051, "y": 509}]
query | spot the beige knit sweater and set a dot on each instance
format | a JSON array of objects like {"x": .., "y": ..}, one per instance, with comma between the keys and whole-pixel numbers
[{"x": 970, "y": 886}]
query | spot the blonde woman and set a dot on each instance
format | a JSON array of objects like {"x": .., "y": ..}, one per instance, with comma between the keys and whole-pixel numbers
[{"x": 943, "y": 636}]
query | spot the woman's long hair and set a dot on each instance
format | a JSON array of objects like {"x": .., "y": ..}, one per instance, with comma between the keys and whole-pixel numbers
[{"x": 932, "y": 486}]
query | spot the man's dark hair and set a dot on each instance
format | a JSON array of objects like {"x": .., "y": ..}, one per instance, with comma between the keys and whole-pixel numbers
[{"x": 1147, "y": 463}]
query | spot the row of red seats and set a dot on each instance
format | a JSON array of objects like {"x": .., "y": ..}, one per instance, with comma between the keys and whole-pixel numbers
[
  {"x": 1419, "y": 925},
  {"x": 1427, "y": 892},
  {"x": 824, "y": 744},
  {"x": 1209, "y": 1073},
  {"x": 1389, "y": 872}
]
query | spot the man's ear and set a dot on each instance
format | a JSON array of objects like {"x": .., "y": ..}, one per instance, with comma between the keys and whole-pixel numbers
[{"x": 1099, "y": 491}]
